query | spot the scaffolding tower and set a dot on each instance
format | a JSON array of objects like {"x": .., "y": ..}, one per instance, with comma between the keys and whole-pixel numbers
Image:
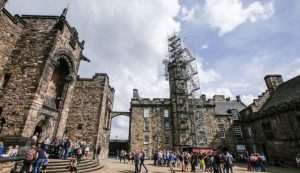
[{"x": 182, "y": 72}]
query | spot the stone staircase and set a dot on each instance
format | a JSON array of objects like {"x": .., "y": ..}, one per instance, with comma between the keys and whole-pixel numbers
[{"x": 60, "y": 166}]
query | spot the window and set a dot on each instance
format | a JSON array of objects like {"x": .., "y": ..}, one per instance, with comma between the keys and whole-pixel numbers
[
  {"x": 199, "y": 117},
  {"x": 221, "y": 130},
  {"x": 235, "y": 114},
  {"x": 146, "y": 112},
  {"x": 267, "y": 130},
  {"x": 237, "y": 131},
  {"x": 250, "y": 133},
  {"x": 6, "y": 79},
  {"x": 146, "y": 139},
  {"x": 167, "y": 125},
  {"x": 79, "y": 127},
  {"x": 240, "y": 149},
  {"x": 146, "y": 124},
  {"x": 167, "y": 139},
  {"x": 166, "y": 113}
]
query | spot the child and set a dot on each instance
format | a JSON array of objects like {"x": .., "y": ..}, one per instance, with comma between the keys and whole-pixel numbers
[{"x": 73, "y": 164}]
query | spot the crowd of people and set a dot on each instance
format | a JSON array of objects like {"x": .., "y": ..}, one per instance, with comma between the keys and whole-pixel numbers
[
  {"x": 211, "y": 161},
  {"x": 11, "y": 152},
  {"x": 217, "y": 162},
  {"x": 36, "y": 158}
]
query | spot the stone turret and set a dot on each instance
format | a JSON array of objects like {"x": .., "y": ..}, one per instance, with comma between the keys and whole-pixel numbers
[
  {"x": 273, "y": 81},
  {"x": 2, "y": 4}
]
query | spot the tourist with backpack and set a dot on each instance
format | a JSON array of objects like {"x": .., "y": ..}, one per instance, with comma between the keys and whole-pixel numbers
[
  {"x": 142, "y": 159},
  {"x": 29, "y": 158},
  {"x": 41, "y": 155}
]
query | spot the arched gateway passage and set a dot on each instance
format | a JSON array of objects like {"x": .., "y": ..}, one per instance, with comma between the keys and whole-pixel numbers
[{"x": 119, "y": 132}]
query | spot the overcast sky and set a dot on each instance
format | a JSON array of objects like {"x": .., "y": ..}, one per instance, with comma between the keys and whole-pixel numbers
[{"x": 237, "y": 43}]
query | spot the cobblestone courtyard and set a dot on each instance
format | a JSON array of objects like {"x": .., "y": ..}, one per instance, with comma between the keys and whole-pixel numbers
[{"x": 114, "y": 166}]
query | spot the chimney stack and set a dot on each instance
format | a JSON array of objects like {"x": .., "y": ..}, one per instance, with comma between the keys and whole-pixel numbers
[
  {"x": 238, "y": 98},
  {"x": 273, "y": 81},
  {"x": 136, "y": 94},
  {"x": 203, "y": 97}
]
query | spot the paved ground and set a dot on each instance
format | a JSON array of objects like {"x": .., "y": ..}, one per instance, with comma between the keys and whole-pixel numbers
[{"x": 114, "y": 166}]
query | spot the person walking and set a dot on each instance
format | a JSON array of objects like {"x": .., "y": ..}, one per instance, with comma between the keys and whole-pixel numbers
[
  {"x": 228, "y": 162},
  {"x": 122, "y": 155},
  {"x": 142, "y": 159},
  {"x": 29, "y": 158},
  {"x": 40, "y": 156}
]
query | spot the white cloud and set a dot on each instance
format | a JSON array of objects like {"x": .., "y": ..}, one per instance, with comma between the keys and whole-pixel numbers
[
  {"x": 226, "y": 15},
  {"x": 206, "y": 76},
  {"x": 236, "y": 84},
  {"x": 204, "y": 46},
  {"x": 247, "y": 99}
]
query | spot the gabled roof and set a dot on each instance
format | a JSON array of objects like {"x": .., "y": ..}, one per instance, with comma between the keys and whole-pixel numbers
[
  {"x": 222, "y": 107},
  {"x": 284, "y": 93}
]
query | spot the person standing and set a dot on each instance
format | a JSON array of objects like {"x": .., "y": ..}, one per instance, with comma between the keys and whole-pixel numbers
[
  {"x": 40, "y": 156},
  {"x": 193, "y": 162},
  {"x": 136, "y": 161},
  {"x": 29, "y": 158},
  {"x": 35, "y": 138},
  {"x": 142, "y": 159},
  {"x": 216, "y": 163},
  {"x": 46, "y": 143},
  {"x": 98, "y": 151}
]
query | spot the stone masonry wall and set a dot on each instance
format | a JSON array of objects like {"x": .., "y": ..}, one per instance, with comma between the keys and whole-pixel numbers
[
  {"x": 90, "y": 108},
  {"x": 31, "y": 68},
  {"x": 157, "y": 132},
  {"x": 10, "y": 31}
]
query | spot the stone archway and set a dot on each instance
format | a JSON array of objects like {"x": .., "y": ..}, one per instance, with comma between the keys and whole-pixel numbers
[
  {"x": 116, "y": 141},
  {"x": 43, "y": 129},
  {"x": 114, "y": 114}
]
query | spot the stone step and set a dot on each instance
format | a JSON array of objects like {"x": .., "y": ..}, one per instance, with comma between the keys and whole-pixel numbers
[
  {"x": 81, "y": 166},
  {"x": 86, "y": 165},
  {"x": 79, "y": 170},
  {"x": 62, "y": 162}
]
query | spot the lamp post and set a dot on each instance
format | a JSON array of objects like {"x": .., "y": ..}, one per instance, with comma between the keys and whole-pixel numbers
[
  {"x": 116, "y": 137},
  {"x": 2, "y": 122}
]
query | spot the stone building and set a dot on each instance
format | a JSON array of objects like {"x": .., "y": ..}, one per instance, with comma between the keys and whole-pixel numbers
[
  {"x": 39, "y": 61},
  {"x": 90, "y": 110},
  {"x": 152, "y": 127},
  {"x": 271, "y": 124}
]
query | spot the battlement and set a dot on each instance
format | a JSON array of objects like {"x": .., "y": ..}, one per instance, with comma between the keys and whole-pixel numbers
[
  {"x": 149, "y": 102},
  {"x": 94, "y": 78}
]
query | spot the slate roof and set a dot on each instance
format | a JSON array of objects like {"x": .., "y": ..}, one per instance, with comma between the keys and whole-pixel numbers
[
  {"x": 222, "y": 107},
  {"x": 285, "y": 92}
]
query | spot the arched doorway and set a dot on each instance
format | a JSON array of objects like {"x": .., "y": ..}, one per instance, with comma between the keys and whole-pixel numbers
[
  {"x": 43, "y": 129},
  {"x": 54, "y": 98},
  {"x": 119, "y": 136}
]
